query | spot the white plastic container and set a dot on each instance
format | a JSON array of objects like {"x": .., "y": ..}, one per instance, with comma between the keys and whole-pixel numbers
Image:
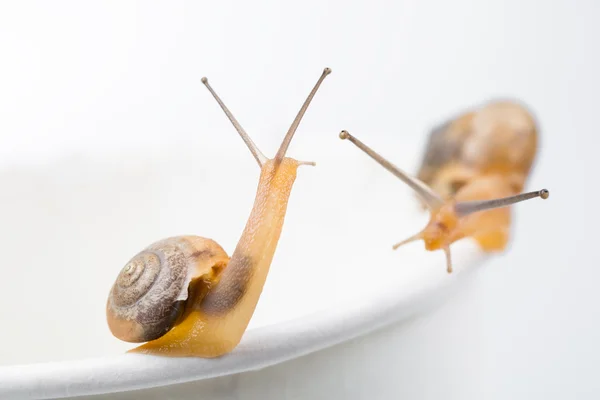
[{"x": 341, "y": 316}]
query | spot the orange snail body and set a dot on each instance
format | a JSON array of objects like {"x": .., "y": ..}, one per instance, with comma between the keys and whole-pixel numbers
[
  {"x": 184, "y": 296},
  {"x": 474, "y": 167},
  {"x": 482, "y": 154}
]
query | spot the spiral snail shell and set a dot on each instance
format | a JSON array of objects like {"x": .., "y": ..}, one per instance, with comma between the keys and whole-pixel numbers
[
  {"x": 150, "y": 293},
  {"x": 184, "y": 296},
  {"x": 499, "y": 137}
]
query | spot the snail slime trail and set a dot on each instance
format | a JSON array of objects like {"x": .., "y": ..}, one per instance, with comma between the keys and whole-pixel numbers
[
  {"x": 474, "y": 167},
  {"x": 184, "y": 296}
]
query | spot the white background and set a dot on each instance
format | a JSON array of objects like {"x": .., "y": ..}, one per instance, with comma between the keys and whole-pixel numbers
[{"x": 128, "y": 73}]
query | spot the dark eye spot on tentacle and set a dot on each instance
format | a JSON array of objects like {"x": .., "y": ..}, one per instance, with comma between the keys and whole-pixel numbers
[{"x": 232, "y": 287}]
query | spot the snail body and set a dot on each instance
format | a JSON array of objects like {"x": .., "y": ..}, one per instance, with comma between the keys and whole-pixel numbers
[
  {"x": 473, "y": 168},
  {"x": 184, "y": 296}
]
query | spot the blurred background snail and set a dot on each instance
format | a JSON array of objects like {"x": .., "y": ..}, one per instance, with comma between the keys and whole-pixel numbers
[
  {"x": 474, "y": 166},
  {"x": 184, "y": 295}
]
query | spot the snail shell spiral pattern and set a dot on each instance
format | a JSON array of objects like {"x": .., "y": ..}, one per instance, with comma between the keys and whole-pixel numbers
[{"x": 151, "y": 291}]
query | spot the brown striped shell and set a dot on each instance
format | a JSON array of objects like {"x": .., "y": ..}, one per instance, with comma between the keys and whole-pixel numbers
[{"x": 151, "y": 291}]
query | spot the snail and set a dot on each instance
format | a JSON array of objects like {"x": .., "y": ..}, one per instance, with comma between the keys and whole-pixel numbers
[
  {"x": 474, "y": 167},
  {"x": 184, "y": 296}
]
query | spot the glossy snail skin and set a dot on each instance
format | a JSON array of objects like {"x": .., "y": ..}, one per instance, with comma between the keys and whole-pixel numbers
[
  {"x": 474, "y": 167},
  {"x": 184, "y": 296},
  {"x": 217, "y": 321}
]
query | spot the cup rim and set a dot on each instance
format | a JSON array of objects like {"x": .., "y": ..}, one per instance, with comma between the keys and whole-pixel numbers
[{"x": 260, "y": 347}]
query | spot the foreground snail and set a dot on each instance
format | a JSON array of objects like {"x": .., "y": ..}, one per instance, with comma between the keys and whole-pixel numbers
[
  {"x": 183, "y": 295},
  {"x": 473, "y": 168}
]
